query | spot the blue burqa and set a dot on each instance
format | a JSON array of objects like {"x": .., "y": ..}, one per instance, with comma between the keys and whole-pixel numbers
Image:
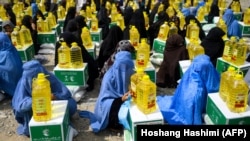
[
  {"x": 188, "y": 103},
  {"x": 114, "y": 84},
  {"x": 233, "y": 27},
  {"x": 22, "y": 100},
  {"x": 10, "y": 65}
]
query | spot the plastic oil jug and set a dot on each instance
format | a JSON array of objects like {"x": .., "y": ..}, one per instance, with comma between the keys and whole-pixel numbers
[
  {"x": 93, "y": 6},
  {"x": 16, "y": 38},
  {"x": 40, "y": 25},
  {"x": 142, "y": 55},
  {"x": 196, "y": 50},
  {"x": 194, "y": 31},
  {"x": 163, "y": 32},
  {"x": 182, "y": 19},
  {"x": 134, "y": 36},
  {"x": 88, "y": 12},
  {"x": 160, "y": 8},
  {"x": 221, "y": 24},
  {"x": 86, "y": 37},
  {"x": 47, "y": 26},
  {"x": 170, "y": 11},
  {"x": 146, "y": 19},
  {"x": 25, "y": 35},
  {"x": 76, "y": 56},
  {"x": 51, "y": 19},
  {"x": 239, "y": 53},
  {"x": 191, "y": 23},
  {"x": 201, "y": 14},
  {"x": 226, "y": 79},
  {"x": 238, "y": 96},
  {"x": 246, "y": 17},
  {"x": 134, "y": 80},
  {"x": 146, "y": 95},
  {"x": 113, "y": 13},
  {"x": 61, "y": 12},
  {"x": 41, "y": 98},
  {"x": 173, "y": 29},
  {"x": 228, "y": 49},
  {"x": 94, "y": 23},
  {"x": 120, "y": 21},
  {"x": 64, "y": 56}
]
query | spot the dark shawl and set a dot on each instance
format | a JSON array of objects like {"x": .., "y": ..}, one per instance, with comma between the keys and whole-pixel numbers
[
  {"x": 70, "y": 15},
  {"x": 214, "y": 11},
  {"x": 169, "y": 73},
  {"x": 103, "y": 21},
  {"x": 10, "y": 13},
  {"x": 109, "y": 44},
  {"x": 213, "y": 44},
  {"x": 87, "y": 58}
]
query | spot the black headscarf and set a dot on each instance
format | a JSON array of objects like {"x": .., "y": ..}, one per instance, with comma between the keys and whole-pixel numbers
[
  {"x": 70, "y": 15},
  {"x": 109, "y": 44},
  {"x": 128, "y": 12},
  {"x": 103, "y": 21},
  {"x": 214, "y": 11},
  {"x": 10, "y": 12},
  {"x": 213, "y": 44},
  {"x": 69, "y": 38}
]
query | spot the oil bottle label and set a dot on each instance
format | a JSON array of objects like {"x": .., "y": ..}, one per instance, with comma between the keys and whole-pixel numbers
[
  {"x": 239, "y": 101},
  {"x": 40, "y": 108},
  {"x": 151, "y": 101},
  {"x": 133, "y": 90}
]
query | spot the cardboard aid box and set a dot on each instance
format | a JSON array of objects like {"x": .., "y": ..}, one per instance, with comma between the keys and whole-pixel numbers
[
  {"x": 92, "y": 50},
  {"x": 136, "y": 117},
  {"x": 71, "y": 76},
  {"x": 159, "y": 45},
  {"x": 27, "y": 52},
  {"x": 222, "y": 66},
  {"x": 47, "y": 37},
  {"x": 218, "y": 112},
  {"x": 56, "y": 129},
  {"x": 96, "y": 35},
  {"x": 184, "y": 65},
  {"x": 245, "y": 29}
]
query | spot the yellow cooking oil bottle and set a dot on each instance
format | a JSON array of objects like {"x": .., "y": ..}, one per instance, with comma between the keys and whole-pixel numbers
[
  {"x": 146, "y": 95},
  {"x": 134, "y": 36},
  {"x": 64, "y": 56},
  {"x": 226, "y": 79},
  {"x": 194, "y": 31},
  {"x": 86, "y": 38},
  {"x": 201, "y": 14},
  {"x": 120, "y": 21},
  {"x": 238, "y": 96},
  {"x": 25, "y": 32},
  {"x": 76, "y": 56},
  {"x": 228, "y": 49},
  {"x": 182, "y": 19},
  {"x": 51, "y": 19},
  {"x": 88, "y": 12},
  {"x": 191, "y": 23},
  {"x": 134, "y": 80},
  {"x": 114, "y": 12},
  {"x": 160, "y": 8},
  {"x": 40, "y": 25},
  {"x": 170, "y": 11},
  {"x": 16, "y": 38},
  {"x": 94, "y": 23},
  {"x": 163, "y": 32},
  {"x": 41, "y": 98},
  {"x": 146, "y": 19},
  {"x": 246, "y": 17},
  {"x": 61, "y": 12},
  {"x": 142, "y": 54},
  {"x": 172, "y": 29},
  {"x": 196, "y": 50},
  {"x": 221, "y": 24},
  {"x": 239, "y": 53}
]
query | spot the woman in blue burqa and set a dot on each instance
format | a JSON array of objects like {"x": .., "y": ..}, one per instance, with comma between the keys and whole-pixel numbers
[
  {"x": 113, "y": 92},
  {"x": 10, "y": 65},
  {"x": 187, "y": 105},
  {"x": 22, "y": 99},
  {"x": 233, "y": 27}
]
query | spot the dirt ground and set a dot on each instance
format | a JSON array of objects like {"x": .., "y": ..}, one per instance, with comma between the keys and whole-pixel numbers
[{"x": 8, "y": 124}]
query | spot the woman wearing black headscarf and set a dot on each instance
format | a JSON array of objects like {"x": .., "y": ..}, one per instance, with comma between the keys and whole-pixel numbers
[
  {"x": 93, "y": 72},
  {"x": 80, "y": 20},
  {"x": 213, "y": 44},
  {"x": 155, "y": 10},
  {"x": 71, "y": 13},
  {"x": 103, "y": 21},
  {"x": 10, "y": 13},
  {"x": 109, "y": 44},
  {"x": 29, "y": 23},
  {"x": 214, "y": 11},
  {"x": 128, "y": 12},
  {"x": 168, "y": 73},
  {"x": 153, "y": 29},
  {"x": 188, "y": 18}
]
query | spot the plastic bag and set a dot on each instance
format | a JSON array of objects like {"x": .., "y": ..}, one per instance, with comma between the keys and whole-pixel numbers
[{"x": 123, "y": 114}]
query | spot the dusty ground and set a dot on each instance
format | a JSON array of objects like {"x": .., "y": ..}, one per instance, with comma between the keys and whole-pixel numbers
[{"x": 8, "y": 124}]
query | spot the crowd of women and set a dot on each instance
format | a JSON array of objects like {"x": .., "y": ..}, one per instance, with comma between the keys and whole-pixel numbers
[{"x": 114, "y": 64}]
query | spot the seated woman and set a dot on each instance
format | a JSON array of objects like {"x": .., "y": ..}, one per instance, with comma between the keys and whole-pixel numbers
[
  {"x": 168, "y": 73},
  {"x": 188, "y": 103},
  {"x": 213, "y": 44},
  {"x": 233, "y": 27},
  {"x": 22, "y": 99},
  {"x": 10, "y": 66},
  {"x": 113, "y": 92}
]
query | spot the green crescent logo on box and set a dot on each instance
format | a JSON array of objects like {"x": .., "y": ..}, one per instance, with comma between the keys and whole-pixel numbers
[{"x": 46, "y": 132}]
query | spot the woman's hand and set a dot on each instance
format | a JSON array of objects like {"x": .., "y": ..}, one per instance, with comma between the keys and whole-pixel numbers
[{"x": 125, "y": 96}]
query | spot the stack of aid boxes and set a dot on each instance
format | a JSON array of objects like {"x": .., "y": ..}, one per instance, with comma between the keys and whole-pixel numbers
[
  {"x": 56, "y": 129},
  {"x": 27, "y": 52}
]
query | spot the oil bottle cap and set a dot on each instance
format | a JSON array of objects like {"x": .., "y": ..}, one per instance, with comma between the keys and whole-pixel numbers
[
  {"x": 145, "y": 77},
  {"x": 230, "y": 68},
  {"x": 74, "y": 44},
  {"x": 40, "y": 78},
  {"x": 64, "y": 44}
]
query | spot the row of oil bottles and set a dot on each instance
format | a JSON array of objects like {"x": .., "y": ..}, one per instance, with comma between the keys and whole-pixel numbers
[
  {"x": 21, "y": 37},
  {"x": 234, "y": 90}
]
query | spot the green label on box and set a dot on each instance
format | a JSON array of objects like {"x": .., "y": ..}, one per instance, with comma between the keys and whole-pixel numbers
[
  {"x": 245, "y": 29},
  {"x": 27, "y": 54},
  {"x": 47, "y": 37},
  {"x": 71, "y": 77},
  {"x": 238, "y": 16},
  {"x": 112, "y": 24},
  {"x": 57, "y": 29},
  {"x": 46, "y": 133},
  {"x": 96, "y": 37},
  {"x": 159, "y": 46}
]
